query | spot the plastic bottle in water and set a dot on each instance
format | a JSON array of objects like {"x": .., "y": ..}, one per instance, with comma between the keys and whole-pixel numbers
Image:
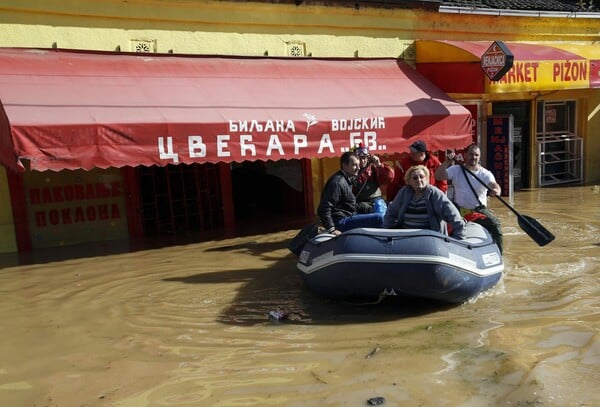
[{"x": 379, "y": 206}]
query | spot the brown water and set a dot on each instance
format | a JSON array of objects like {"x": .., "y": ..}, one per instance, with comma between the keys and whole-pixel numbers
[{"x": 188, "y": 326}]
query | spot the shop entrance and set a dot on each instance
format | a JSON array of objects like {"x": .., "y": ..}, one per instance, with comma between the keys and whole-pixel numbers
[
  {"x": 180, "y": 200},
  {"x": 268, "y": 193},
  {"x": 186, "y": 200},
  {"x": 521, "y": 139}
]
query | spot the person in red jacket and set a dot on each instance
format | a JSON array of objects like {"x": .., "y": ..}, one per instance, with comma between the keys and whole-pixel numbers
[
  {"x": 372, "y": 176},
  {"x": 418, "y": 156}
]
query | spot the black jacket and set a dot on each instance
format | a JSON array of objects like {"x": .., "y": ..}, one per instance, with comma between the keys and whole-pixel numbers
[{"x": 337, "y": 200}]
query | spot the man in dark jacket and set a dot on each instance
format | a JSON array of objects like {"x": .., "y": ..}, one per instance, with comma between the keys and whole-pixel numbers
[{"x": 337, "y": 208}]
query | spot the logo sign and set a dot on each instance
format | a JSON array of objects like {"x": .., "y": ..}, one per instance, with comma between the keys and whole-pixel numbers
[{"x": 496, "y": 61}]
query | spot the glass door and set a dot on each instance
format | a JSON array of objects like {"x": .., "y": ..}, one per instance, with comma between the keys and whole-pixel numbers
[{"x": 521, "y": 152}]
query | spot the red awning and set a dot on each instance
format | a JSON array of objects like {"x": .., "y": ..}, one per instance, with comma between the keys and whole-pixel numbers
[{"x": 76, "y": 109}]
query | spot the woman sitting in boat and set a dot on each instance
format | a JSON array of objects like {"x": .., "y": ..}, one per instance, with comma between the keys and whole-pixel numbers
[{"x": 420, "y": 205}]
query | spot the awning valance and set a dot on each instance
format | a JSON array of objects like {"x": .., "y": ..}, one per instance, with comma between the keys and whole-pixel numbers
[
  {"x": 455, "y": 66},
  {"x": 68, "y": 109}
]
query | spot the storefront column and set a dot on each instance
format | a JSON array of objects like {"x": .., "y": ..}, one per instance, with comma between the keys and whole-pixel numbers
[
  {"x": 18, "y": 200},
  {"x": 132, "y": 202},
  {"x": 226, "y": 195}
]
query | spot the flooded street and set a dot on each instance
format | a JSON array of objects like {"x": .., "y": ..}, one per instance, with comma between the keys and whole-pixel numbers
[{"x": 188, "y": 326}]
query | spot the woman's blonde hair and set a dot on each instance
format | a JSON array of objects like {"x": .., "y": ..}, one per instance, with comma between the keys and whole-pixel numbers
[{"x": 414, "y": 168}]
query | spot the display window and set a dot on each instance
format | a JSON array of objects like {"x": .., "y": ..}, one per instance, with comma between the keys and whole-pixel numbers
[{"x": 559, "y": 148}]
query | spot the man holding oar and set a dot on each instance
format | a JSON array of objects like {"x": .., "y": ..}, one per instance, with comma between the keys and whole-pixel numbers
[{"x": 470, "y": 194}]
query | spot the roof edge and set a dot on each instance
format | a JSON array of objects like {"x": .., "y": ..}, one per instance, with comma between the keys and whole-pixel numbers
[{"x": 517, "y": 13}]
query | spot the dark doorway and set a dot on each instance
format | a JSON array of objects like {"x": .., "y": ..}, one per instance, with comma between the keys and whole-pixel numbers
[
  {"x": 521, "y": 139},
  {"x": 180, "y": 200},
  {"x": 185, "y": 201},
  {"x": 268, "y": 191}
]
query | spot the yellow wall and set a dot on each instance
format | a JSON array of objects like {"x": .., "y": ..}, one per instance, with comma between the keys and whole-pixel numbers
[
  {"x": 592, "y": 141},
  {"x": 322, "y": 169},
  {"x": 246, "y": 28},
  {"x": 8, "y": 243}
]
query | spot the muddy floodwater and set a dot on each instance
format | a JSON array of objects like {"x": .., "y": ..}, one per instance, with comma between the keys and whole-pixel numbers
[{"x": 188, "y": 325}]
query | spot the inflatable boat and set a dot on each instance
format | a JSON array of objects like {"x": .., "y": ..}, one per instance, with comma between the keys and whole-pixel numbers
[{"x": 370, "y": 263}]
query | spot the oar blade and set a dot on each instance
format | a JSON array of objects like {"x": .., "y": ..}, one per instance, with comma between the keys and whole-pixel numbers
[{"x": 535, "y": 230}]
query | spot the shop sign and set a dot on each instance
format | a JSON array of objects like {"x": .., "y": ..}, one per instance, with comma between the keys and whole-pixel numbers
[
  {"x": 496, "y": 60},
  {"x": 252, "y": 139},
  {"x": 71, "y": 207},
  {"x": 544, "y": 75},
  {"x": 75, "y": 203}
]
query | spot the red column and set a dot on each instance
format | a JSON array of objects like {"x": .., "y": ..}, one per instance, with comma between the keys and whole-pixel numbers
[
  {"x": 309, "y": 207},
  {"x": 226, "y": 195},
  {"x": 132, "y": 202},
  {"x": 18, "y": 201}
]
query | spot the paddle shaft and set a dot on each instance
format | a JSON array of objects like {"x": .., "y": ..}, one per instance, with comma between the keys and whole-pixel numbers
[
  {"x": 531, "y": 226},
  {"x": 489, "y": 189}
]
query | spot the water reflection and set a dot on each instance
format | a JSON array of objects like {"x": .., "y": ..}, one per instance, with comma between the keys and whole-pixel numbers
[
  {"x": 278, "y": 287},
  {"x": 188, "y": 325}
]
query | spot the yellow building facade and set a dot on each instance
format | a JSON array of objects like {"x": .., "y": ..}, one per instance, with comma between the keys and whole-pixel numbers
[{"x": 280, "y": 30}]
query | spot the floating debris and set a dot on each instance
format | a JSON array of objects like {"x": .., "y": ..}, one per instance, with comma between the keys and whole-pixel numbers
[
  {"x": 373, "y": 352},
  {"x": 277, "y": 315},
  {"x": 376, "y": 401},
  {"x": 319, "y": 378}
]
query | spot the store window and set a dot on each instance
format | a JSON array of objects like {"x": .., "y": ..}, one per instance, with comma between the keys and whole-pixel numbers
[{"x": 559, "y": 148}]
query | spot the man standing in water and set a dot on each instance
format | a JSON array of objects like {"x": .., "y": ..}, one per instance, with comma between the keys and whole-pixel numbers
[
  {"x": 469, "y": 194},
  {"x": 337, "y": 208}
]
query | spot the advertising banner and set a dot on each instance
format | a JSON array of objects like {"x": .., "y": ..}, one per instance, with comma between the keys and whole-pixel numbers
[
  {"x": 500, "y": 151},
  {"x": 71, "y": 207}
]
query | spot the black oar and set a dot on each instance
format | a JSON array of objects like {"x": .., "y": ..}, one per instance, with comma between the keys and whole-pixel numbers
[{"x": 532, "y": 227}]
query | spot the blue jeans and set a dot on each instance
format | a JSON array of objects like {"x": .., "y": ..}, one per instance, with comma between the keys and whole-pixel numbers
[{"x": 366, "y": 220}]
